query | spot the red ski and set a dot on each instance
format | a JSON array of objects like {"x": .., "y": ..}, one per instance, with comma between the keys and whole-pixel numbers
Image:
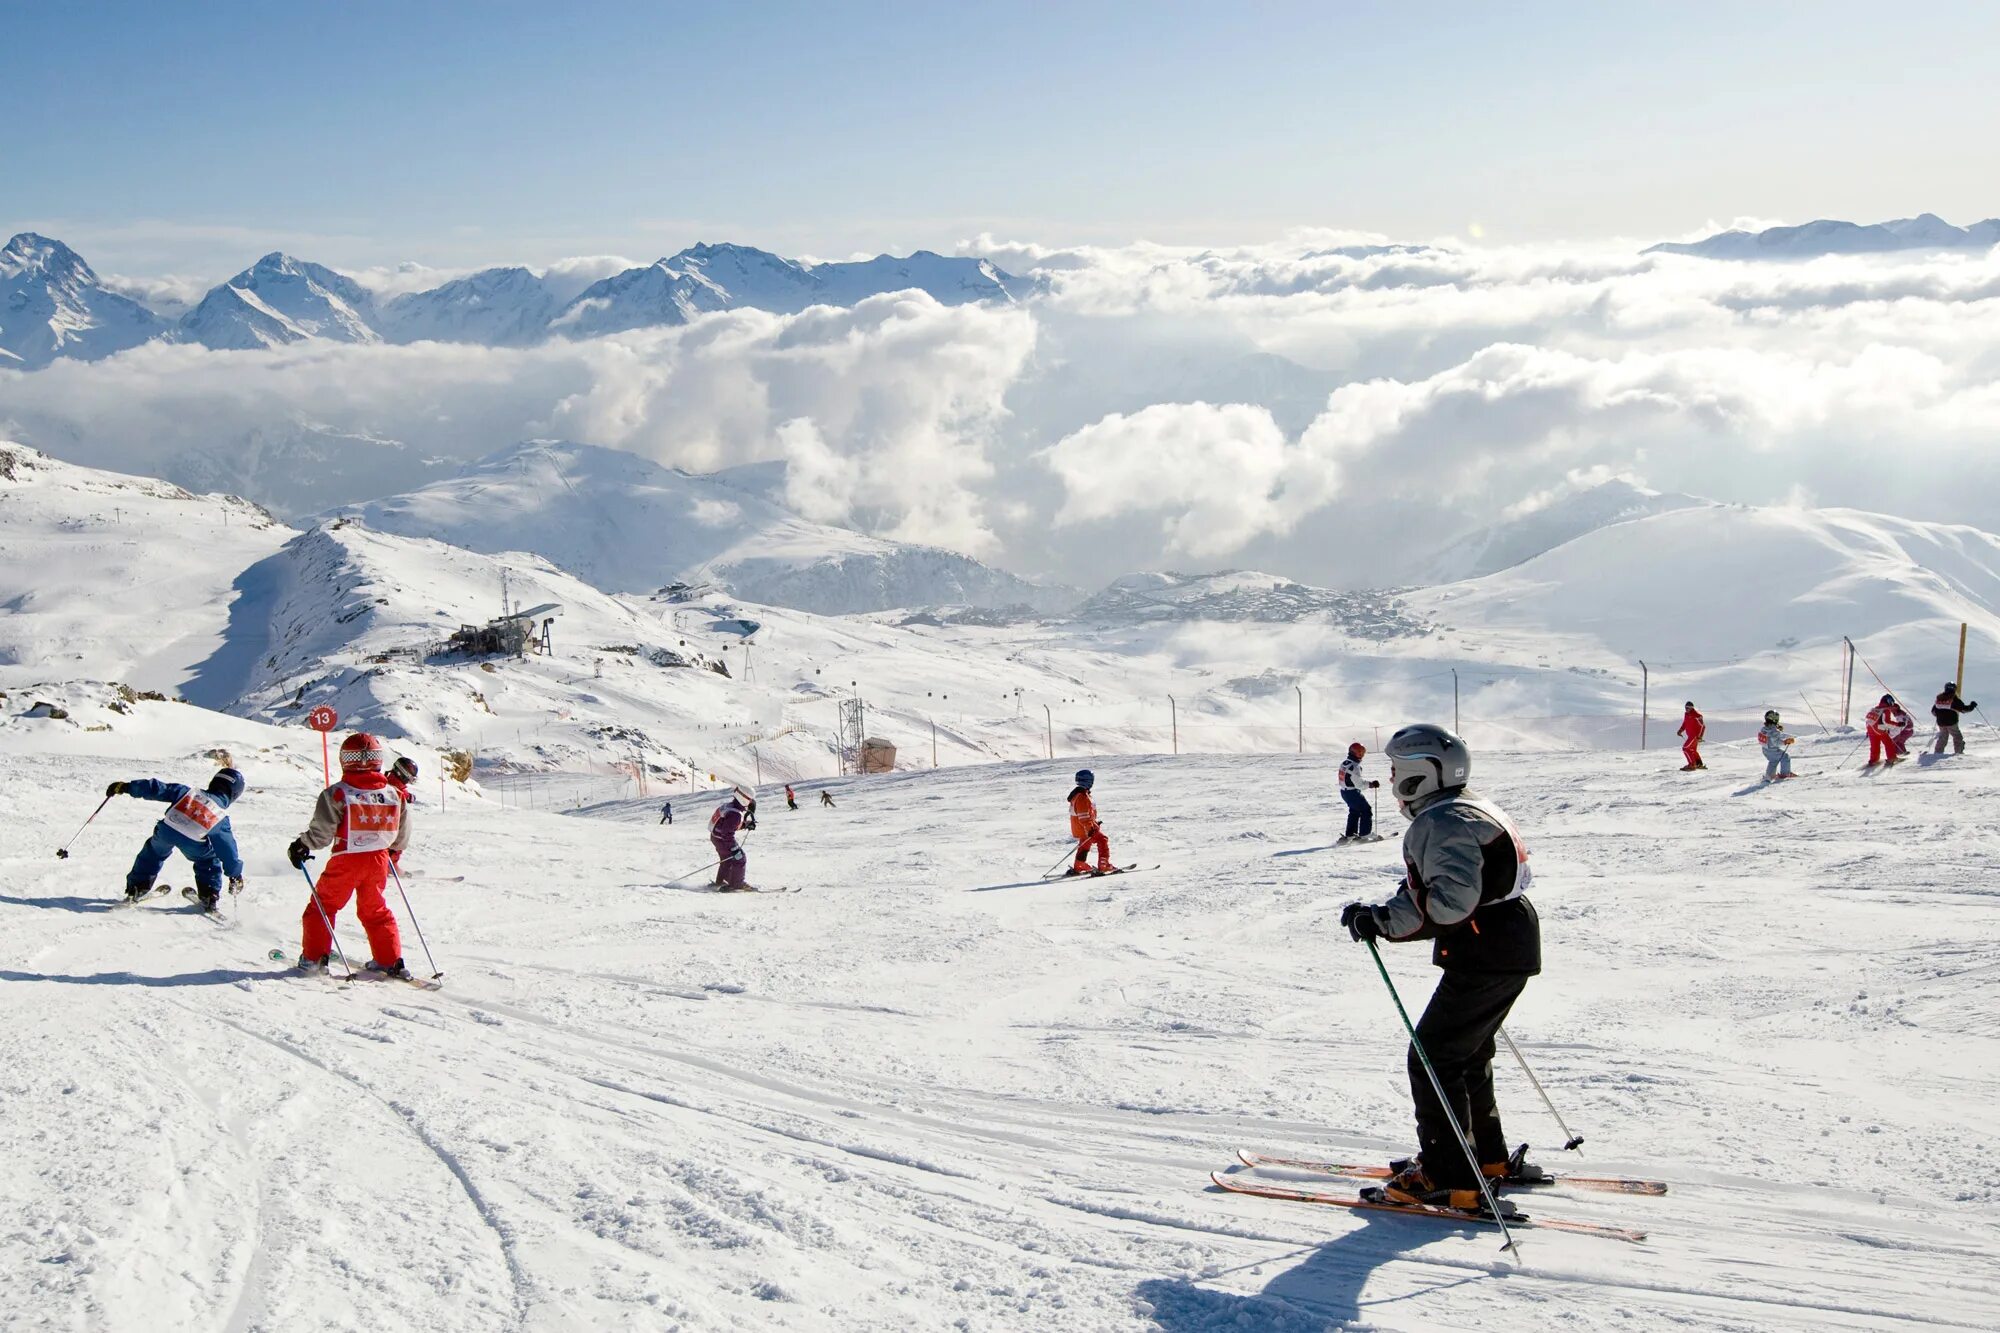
[
  {"x": 1237, "y": 1185},
  {"x": 1359, "y": 1171}
]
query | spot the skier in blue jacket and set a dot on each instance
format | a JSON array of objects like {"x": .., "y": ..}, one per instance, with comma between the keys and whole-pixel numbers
[{"x": 197, "y": 826}]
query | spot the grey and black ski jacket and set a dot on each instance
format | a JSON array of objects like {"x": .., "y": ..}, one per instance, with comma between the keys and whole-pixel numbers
[{"x": 1465, "y": 887}]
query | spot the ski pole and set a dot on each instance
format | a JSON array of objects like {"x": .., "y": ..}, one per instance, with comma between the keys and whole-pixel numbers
[
  {"x": 696, "y": 871},
  {"x": 62, "y": 852},
  {"x": 1444, "y": 1103},
  {"x": 337, "y": 950},
  {"x": 1069, "y": 856},
  {"x": 1575, "y": 1140},
  {"x": 435, "y": 974},
  {"x": 1814, "y": 712}
]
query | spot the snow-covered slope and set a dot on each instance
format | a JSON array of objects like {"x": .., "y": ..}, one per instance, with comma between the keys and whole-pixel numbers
[
  {"x": 497, "y": 307},
  {"x": 1504, "y": 545},
  {"x": 52, "y": 305},
  {"x": 1245, "y": 595},
  {"x": 299, "y": 468},
  {"x": 933, "y": 1092},
  {"x": 113, "y": 577},
  {"x": 1927, "y": 231},
  {"x": 626, "y": 524},
  {"x": 280, "y": 300}
]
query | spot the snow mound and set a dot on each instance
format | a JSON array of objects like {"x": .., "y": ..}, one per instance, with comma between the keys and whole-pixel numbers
[{"x": 625, "y": 524}]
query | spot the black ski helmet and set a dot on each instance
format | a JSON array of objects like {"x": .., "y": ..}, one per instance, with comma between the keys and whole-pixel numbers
[
  {"x": 1888, "y": 699},
  {"x": 1690, "y": 705},
  {"x": 1770, "y": 715},
  {"x": 227, "y": 783},
  {"x": 1951, "y": 687},
  {"x": 1085, "y": 779},
  {"x": 404, "y": 768}
]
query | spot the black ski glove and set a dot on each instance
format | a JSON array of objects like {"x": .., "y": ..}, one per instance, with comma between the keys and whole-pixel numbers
[
  {"x": 1374, "y": 783},
  {"x": 236, "y": 885},
  {"x": 298, "y": 853},
  {"x": 750, "y": 823},
  {"x": 1361, "y": 921},
  {"x": 115, "y": 789}
]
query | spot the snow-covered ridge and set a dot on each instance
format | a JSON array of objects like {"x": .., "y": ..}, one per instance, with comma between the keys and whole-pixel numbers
[
  {"x": 1504, "y": 545},
  {"x": 53, "y": 306},
  {"x": 625, "y": 524},
  {"x": 1827, "y": 236},
  {"x": 1247, "y": 595}
]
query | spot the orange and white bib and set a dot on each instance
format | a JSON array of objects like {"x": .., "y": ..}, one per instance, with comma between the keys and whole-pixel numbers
[
  {"x": 369, "y": 820},
  {"x": 194, "y": 815}
]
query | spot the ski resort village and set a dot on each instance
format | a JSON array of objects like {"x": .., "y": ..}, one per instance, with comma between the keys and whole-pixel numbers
[{"x": 1006, "y": 670}]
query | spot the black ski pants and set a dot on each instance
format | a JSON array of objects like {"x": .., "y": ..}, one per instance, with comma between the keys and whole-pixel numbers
[
  {"x": 1457, "y": 1032},
  {"x": 1360, "y": 819}
]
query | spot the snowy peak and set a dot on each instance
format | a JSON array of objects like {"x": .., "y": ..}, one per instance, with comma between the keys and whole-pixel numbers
[
  {"x": 947, "y": 279},
  {"x": 52, "y": 305},
  {"x": 280, "y": 300},
  {"x": 1826, "y": 236},
  {"x": 497, "y": 307},
  {"x": 1240, "y": 595}
]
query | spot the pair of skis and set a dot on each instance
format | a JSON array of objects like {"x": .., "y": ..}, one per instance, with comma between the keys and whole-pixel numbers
[
  {"x": 370, "y": 971},
  {"x": 1237, "y": 1184},
  {"x": 214, "y": 915},
  {"x": 1133, "y": 869}
]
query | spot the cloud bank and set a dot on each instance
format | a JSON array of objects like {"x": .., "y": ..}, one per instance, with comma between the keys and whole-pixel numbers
[{"x": 1332, "y": 407}]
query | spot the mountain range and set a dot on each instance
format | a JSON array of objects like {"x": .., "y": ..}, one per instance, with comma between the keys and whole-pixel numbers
[
  {"x": 53, "y": 305},
  {"x": 1926, "y": 231}
]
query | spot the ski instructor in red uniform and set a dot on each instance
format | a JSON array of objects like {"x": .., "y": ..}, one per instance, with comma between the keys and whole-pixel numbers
[{"x": 366, "y": 821}]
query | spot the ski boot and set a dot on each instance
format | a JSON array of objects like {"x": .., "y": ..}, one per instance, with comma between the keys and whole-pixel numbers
[
  {"x": 394, "y": 971},
  {"x": 210, "y": 899},
  {"x": 1074, "y": 871},
  {"x": 319, "y": 964},
  {"x": 136, "y": 892},
  {"x": 1516, "y": 1170},
  {"x": 1343, "y": 839},
  {"x": 1411, "y": 1187}
]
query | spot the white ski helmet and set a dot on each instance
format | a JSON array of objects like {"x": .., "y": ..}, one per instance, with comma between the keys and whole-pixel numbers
[{"x": 1425, "y": 758}]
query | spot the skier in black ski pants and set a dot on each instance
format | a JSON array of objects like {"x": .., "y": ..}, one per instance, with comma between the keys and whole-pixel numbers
[{"x": 1465, "y": 890}]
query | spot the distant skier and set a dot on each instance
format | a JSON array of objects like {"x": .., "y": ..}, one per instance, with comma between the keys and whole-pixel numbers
[
  {"x": 1946, "y": 709},
  {"x": 1464, "y": 889},
  {"x": 1775, "y": 740},
  {"x": 365, "y": 821},
  {"x": 1693, "y": 728},
  {"x": 400, "y": 775},
  {"x": 197, "y": 826},
  {"x": 791, "y": 798},
  {"x": 1360, "y": 816},
  {"x": 736, "y": 814},
  {"x": 1889, "y": 729},
  {"x": 1085, "y": 828},
  {"x": 825, "y": 797},
  {"x": 667, "y": 813}
]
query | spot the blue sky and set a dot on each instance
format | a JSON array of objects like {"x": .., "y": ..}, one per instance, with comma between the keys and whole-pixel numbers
[{"x": 190, "y": 138}]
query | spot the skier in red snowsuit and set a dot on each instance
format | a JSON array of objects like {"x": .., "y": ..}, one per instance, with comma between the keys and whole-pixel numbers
[
  {"x": 1693, "y": 728},
  {"x": 1083, "y": 826},
  {"x": 1889, "y": 729},
  {"x": 365, "y": 821}
]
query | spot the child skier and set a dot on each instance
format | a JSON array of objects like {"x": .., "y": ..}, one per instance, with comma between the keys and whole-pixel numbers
[
  {"x": 365, "y": 820},
  {"x": 1774, "y": 738},
  {"x": 1945, "y": 709},
  {"x": 1360, "y": 817},
  {"x": 825, "y": 797},
  {"x": 1465, "y": 890},
  {"x": 791, "y": 798},
  {"x": 1889, "y": 729},
  {"x": 1693, "y": 728},
  {"x": 1083, "y": 826},
  {"x": 667, "y": 812},
  {"x": 196, "y": 826},
  {"x": 738, "y": 813}
]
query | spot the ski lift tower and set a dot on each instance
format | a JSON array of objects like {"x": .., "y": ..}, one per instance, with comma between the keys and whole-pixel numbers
[{"x": 853, "y": 728}]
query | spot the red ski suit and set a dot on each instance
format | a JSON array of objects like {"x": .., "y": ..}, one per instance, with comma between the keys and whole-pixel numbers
[
  {"x": 366, "y": 821},
  {"x": 1694, "y": 728},
  {"x": 1083, "y": 826},
  {"x": 1889, "y": 729}
]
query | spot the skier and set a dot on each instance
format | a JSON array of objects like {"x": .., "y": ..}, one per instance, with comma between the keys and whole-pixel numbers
[
  {"x": 1889, "y": 729},
  {"x": 1465, "y": 890},
  {"x": 1946, "y": 709},
  {"x": 400, "y": 775},
  {"x": 667, "y": 812},
  {"x": 791, "y": 798},
  {"x": 1083, "y": 826},
  {"x": 196, "y": 826},
  {"x": 1774, "y": 738},
  {"x": 365, "y": 821},
  {"x": 1693, "y": 728},
  {"x": 1360, "y": 817},
  {"x": 825, "y": 797},
  {"x": 738, "y": 813}
]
